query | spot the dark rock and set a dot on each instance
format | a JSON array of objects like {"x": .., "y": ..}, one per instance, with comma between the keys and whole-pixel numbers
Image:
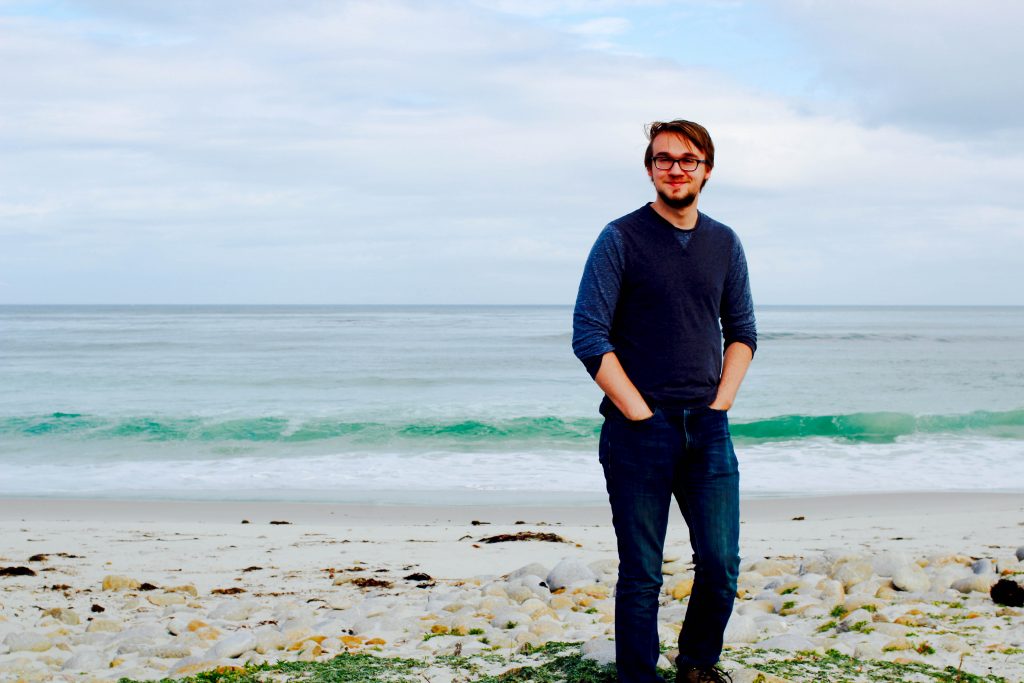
[
  {"x": 524, "y": 536},
  {"x": 97, "y": 608},
  {"x": 147, "y": 587},
  {"x": 16, "y": 571},
  {"x": 1008, "y": 592}
]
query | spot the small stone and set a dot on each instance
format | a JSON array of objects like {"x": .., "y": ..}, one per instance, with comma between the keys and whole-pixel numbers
[
  {"x": 600, "y": 650},
  {"x": 983, "y": 566},
  {"x": 981, "y": 583},
  {"x": 568, "y": 571},
  {"x": 27, "y": 642},
  {"x": 1008, "y": 592},
  {"x": 233, "y": 645},
  {"x": 114, "y": 582},
  {"x": 63, "y": 615},
  {"x": 104, "y": 626},
  {"x": 682, "y": 589},
  {"x": 852, "y": 572},
  {"x": 911, "y": 578},
  {"x": 1020, "y": 554},
  {"x": 790, "y": 642},
  {"x": 164, "y": 599}
]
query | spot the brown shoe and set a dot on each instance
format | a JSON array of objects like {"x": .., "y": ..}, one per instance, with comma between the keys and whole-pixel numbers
[{"x": 709, "y": 674}]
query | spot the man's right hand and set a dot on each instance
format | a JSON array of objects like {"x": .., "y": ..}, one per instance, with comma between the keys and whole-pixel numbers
[{"x": 616, "y": 385}]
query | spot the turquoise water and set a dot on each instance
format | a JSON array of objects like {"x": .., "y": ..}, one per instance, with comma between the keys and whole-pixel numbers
[{"x": 426, "y": 403}]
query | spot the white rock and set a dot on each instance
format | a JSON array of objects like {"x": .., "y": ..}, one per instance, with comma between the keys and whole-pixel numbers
[
  {"x": 981, "y": 583},
  {"x": 790, "y": 642},
  {"x": 889, "y": 562},
  {"x": 983, "y": 566},
  {"x": 234, "y": 610},
  {"x": 534, "y": 568},
  {"x": 85, "y": 661},
  {"x": 601, "y": 650},
  {"x": 570, "y": 570},
  {"x": 741, "y": 629},
  {"x": 232, "y": 646},
  {"x": 852, "y": 572},
  {"x": 27, "y": 642},
  {"x": 911, "y": 578}
]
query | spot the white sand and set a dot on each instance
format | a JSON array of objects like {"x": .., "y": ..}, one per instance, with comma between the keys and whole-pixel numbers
[{"x": 170, "y": 543}]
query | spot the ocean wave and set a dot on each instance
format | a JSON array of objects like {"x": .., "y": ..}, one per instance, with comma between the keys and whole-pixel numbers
[{"x": 520, "y": 432}]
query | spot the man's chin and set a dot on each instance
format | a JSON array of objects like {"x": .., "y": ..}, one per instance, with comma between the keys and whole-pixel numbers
[{"x": 683, "y": 202}]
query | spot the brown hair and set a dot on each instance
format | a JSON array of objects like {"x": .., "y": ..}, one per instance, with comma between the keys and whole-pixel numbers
[{"x": 694, "y": 132}]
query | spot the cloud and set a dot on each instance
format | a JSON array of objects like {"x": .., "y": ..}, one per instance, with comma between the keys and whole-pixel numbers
[
  {"x": 945, "y": 65},
  {"x": 375, "y": 152}
]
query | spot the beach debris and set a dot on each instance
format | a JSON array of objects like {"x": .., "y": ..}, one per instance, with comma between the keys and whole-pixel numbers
[
  {"x": 147, "y": 586},
  {"x": 419, "y": 576},
  {"x": 1008, "y": 592},
  {"x": 799, "y": 518},
  {"x": 245, "y": 521},
  {"x": 477, "y": 522},
  {"x": 39, "y": 557},
  {"x": 97, "y": 608},
  {"x": 234, "y": 590},
  {"x": 60, "y": 587},
  {"x": 368, "y": 582},
  {"x": 524, "y": 536},
  {"x": 16, "y": 571},
  {"x": 279, "y": 521},
  {"x": 251, "y": 569},
  {"x": 115, "y": 582}
]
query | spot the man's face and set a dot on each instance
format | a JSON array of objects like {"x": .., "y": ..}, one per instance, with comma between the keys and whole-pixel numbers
[{"x": 677, "y": 188}]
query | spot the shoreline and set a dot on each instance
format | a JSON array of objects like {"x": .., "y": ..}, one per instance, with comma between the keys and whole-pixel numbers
[{"x": 226, "y": 592}]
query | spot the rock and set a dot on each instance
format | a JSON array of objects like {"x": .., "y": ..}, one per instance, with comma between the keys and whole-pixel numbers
[
  {"x": 234, "y": 610},
  {"x": 63, "y": 615},
  {"x": 681, "y": 589},
  {"x": 114, "y": 582},
  {"x": 1020, "y": 554},
  {"x": 27, "y": 642},
  {"x": 192, "y": 665},
  {"x": 165, "y": 599},
  {"x": 569, "y": 571},
  {"x": 911, "y": 578},
  {"x": 1008, "y": 592},
  {"x": 981, "y": 583},
  {"x": 791, "y": 642},
  {"x": 104, "y": 626},
  {"x": 852, "y": 572},
  {"x": 534, "y": 568},
  {"x": 600, "y": 650},
  {"x": 85, "y": 661},
  {"x": 741, "y": 629},
  {"x": 983, "y": 566},
  {"x": 890, "y": 562},
  {"x": 233, "y": 646}
]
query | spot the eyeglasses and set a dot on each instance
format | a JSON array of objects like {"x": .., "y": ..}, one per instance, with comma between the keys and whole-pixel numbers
[{"x": 687, "y": 164}]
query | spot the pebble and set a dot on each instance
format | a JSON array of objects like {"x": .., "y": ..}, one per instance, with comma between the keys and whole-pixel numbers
[{"x": 569, "y": 571}]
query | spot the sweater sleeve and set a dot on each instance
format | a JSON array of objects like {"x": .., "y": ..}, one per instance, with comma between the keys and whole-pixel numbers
[
  {"x": 737, "y": 308},
  {"x": 596, "y": 300}
]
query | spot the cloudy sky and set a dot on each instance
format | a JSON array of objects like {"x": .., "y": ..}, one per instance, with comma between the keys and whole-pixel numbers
[{"x": 384, "y": 151}]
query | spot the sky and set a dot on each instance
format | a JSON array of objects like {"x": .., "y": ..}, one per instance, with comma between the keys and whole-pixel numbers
[{"x": 469, "y": 152}]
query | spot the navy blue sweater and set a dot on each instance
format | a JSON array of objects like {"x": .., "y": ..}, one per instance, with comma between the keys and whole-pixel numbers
[{"x": 663, "y": 299}]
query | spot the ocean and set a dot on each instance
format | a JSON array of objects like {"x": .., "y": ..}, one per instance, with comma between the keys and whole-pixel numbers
[{"x": 479, "y": 404}]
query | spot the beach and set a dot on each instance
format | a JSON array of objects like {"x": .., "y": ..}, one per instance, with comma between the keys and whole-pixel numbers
[{"x": 189, "y": 586}]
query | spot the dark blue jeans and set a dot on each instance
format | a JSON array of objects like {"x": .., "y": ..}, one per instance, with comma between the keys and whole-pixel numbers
[{"x": 646, "y": 463}]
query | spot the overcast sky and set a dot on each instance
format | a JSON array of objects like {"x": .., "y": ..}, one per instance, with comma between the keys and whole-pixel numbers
[{"x": 197, "y": 151}]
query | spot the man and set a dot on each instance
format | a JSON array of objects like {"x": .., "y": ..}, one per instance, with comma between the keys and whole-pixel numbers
[{"x": 662, "y": 287}]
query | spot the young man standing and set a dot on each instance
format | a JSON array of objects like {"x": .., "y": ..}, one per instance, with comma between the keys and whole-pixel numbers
[{"x": 662, "y": 287}]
